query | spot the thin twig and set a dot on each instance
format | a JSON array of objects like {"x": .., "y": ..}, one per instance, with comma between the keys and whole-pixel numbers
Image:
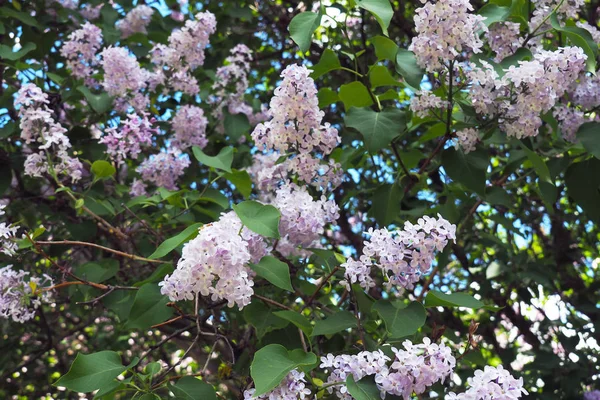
[
  {"x": 273, "y": 302},
  {"x": 321, "y": 284},
  {"x": 97, "y": 246}
]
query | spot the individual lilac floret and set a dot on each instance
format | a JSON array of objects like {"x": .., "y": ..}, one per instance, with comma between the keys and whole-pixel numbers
[
  {"x": 189, "y": 125},
  {"x": 293, "y": 387},
  {"x": 215, "y": 264},
  {"x": 136, "y": 21},
  {"x": 402, "y": 255},
  {"x": 20, "y": 298},
  {"x": 445, "y": 30},
  {"x": 493, "y": 383},
  {"x": 125, "y": 142},
  {"x": 165, "y": 168},
  {"x": 81, "y": 50}
]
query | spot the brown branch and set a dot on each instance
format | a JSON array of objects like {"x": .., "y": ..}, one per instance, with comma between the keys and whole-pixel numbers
[{"x": 97, "y": 246}]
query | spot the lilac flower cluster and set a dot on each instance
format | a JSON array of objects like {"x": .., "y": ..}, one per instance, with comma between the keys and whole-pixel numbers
[
  {"x": 403, "y": 256},
  {"x": 39, "y": 127},
  {"x": 165, "y": 168},
  {"x": 578, "y": 106},
  {"x": 293, "y": 387},
  {"x": 136, "y": 21},
  {"x": 445, "y": 30},
  {"x": 424, "y": 102},
  {"x": 266, "y": 172},
  {"x": 189, "y": 125},
  {"x": 504, "y": 39},
  {"x": 295, "y": 127},
  {"x": 303, "y": 219},
  {"x": 90, "y": 12},
  {"x": 543, "y": 8},
  {"x": 81, "y": 49},
  {"x": 467, "y": 139},
  {"x": 20, "y": 298},
  {"x": 593, "y": 30},
  {"x": 7, "y": 234},
  {"x": 125, "y": 142},
  {"x": 593, "y": 395},
  {"x": 184, "y": 53},
  {"x": 493, "y": 383},
  {"x": 215, "y": 263}
]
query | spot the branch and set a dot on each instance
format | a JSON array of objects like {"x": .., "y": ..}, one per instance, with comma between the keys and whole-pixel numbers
[{"x": 97, "y": 246}]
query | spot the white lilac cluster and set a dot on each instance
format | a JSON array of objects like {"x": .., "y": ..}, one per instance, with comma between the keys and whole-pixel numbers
[
  {"x": 39, "y": 127},
  {"x": 7, "y": 233},
  {"x": 543, "y": 8},
  {"x": 593, "y": 30},
  {"x": 403, "y": 255},
  {"x": 20, "y": 298},
  {"x": 424, "y": 102},
  {"x": 184, "y": 53},
  {"x": 125, "y": 142},
  {"x": 266, "y": 172},
  {"x": 583, "y": 98},
  {"x": 215, "y": 263},
  {"x": 593, "y": 395},
  {"x": 189, "y": 125},
  {"x": 81, "y": 49},
  {"x": 525, "y": 91},
  {"x": 586, "y": 93},
  {"x": 293, "y": 387},
  {"x": 295, "y": 127},
  {"x": 90, "y": 12},
  {"x": 136, "y": 21},
  {"x": 467, "y": 139},
  {"x": 303, "y": 219},
  {"x": 445, "y": 30},
  {"x": 232, "y": 81},
  {"x": 504, "y": 39},
  {"x": 340, "y": 367},
  {"x": 493, "y": 383},
  {"x": 163, "y": 169}
]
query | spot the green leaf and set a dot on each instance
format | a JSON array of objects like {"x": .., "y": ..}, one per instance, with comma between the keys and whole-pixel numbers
[
  {"x": 190, "y": 388},
  {"x": 464, "y": 170},
  {"x": 8, "y": 54},
  {"x": 149, "y": 308},
  {"x": 241, "y": 180},
  {"x": 538, "y": 164},
  {"x": 91, "y": 372},
  {"x": 21, "y": 16},
  {"x": 297, "y": 319},
  {"x": 401, "y": 320},
  {"x": 355, "y": 94},
  {"x": 329, "y": 62},
  {"x": 262, "y": 319},
  {"x": 589, "y": 136},
  {"x": 302, "y": 28},
  {"x": 380, "y": 76},
  {"x": 385, "y": 203},
  {"x": 499, "y": 196},
  {"x": 275, "y": 271},
  {"x": 580, "y": 38},
  {"x": 259, "y": 218},
  {"x": 236, "y": 125},
  {"x": 437, "y": 299},
  {"x": 385, "y": 48},
  {"x": 327, "y": 97},
  {"x": 378, "y": 128},
  {"x": 222, "y": 161},
  {"x": 100, "y": 103},
  {"x": 272, "y": 363},
  {"x": 338, "y": 322},
  {"x": 103, "y": 169},
  {"x": 406, "y": 65},
  {"x": 381, "y": 10},
  {"x": 171, "y": 243},
  {"x": 583, "y": 184},
  {"x": 365, "y": 389},
  {"x": 493, "y": 13},
  {"x": 98, "y": 271}
]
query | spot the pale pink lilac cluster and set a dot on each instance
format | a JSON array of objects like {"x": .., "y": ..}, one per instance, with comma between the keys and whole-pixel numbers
[
  {"x": 165, "y": 168},
  {"x": 81, "y": 51},
  {"x": 293, "y": 387},
  {"x": 8, "y": 245},
  {"x": 189, "y": 125},
  {"x": 358, "y": 366},
  {"x": 215, "y": 263},
  {"x": 491, "y": 383},
  {"x": 20, "y": 298},
  {"x": 467, "y": 139},
  {"x": 593, "y": 30},
  {"x": 184, "y": 53},
  {"x": 403, "y": 255},
  {"x": 586, "y": 93},
  {"x": 504, "y": 39},
  {"x": 125, "y": 142},
  {"x": 592, "y": 395},
  {"x": 578, "y": 107},
  {"x": 39, "y": 127},
  {"x": 303, "y": 219},
  {"x": 266, "y": 172},
  {"x": 90, "y": 12},
  {"x": 136, "y": 21},
  {"x": 445, "y": 30},
  {"x": 425, "y": 102},
  {"x": 295, "y": 127},
  {"x": 543, "y": 8},
  {"x": 138, "y": 188}
]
